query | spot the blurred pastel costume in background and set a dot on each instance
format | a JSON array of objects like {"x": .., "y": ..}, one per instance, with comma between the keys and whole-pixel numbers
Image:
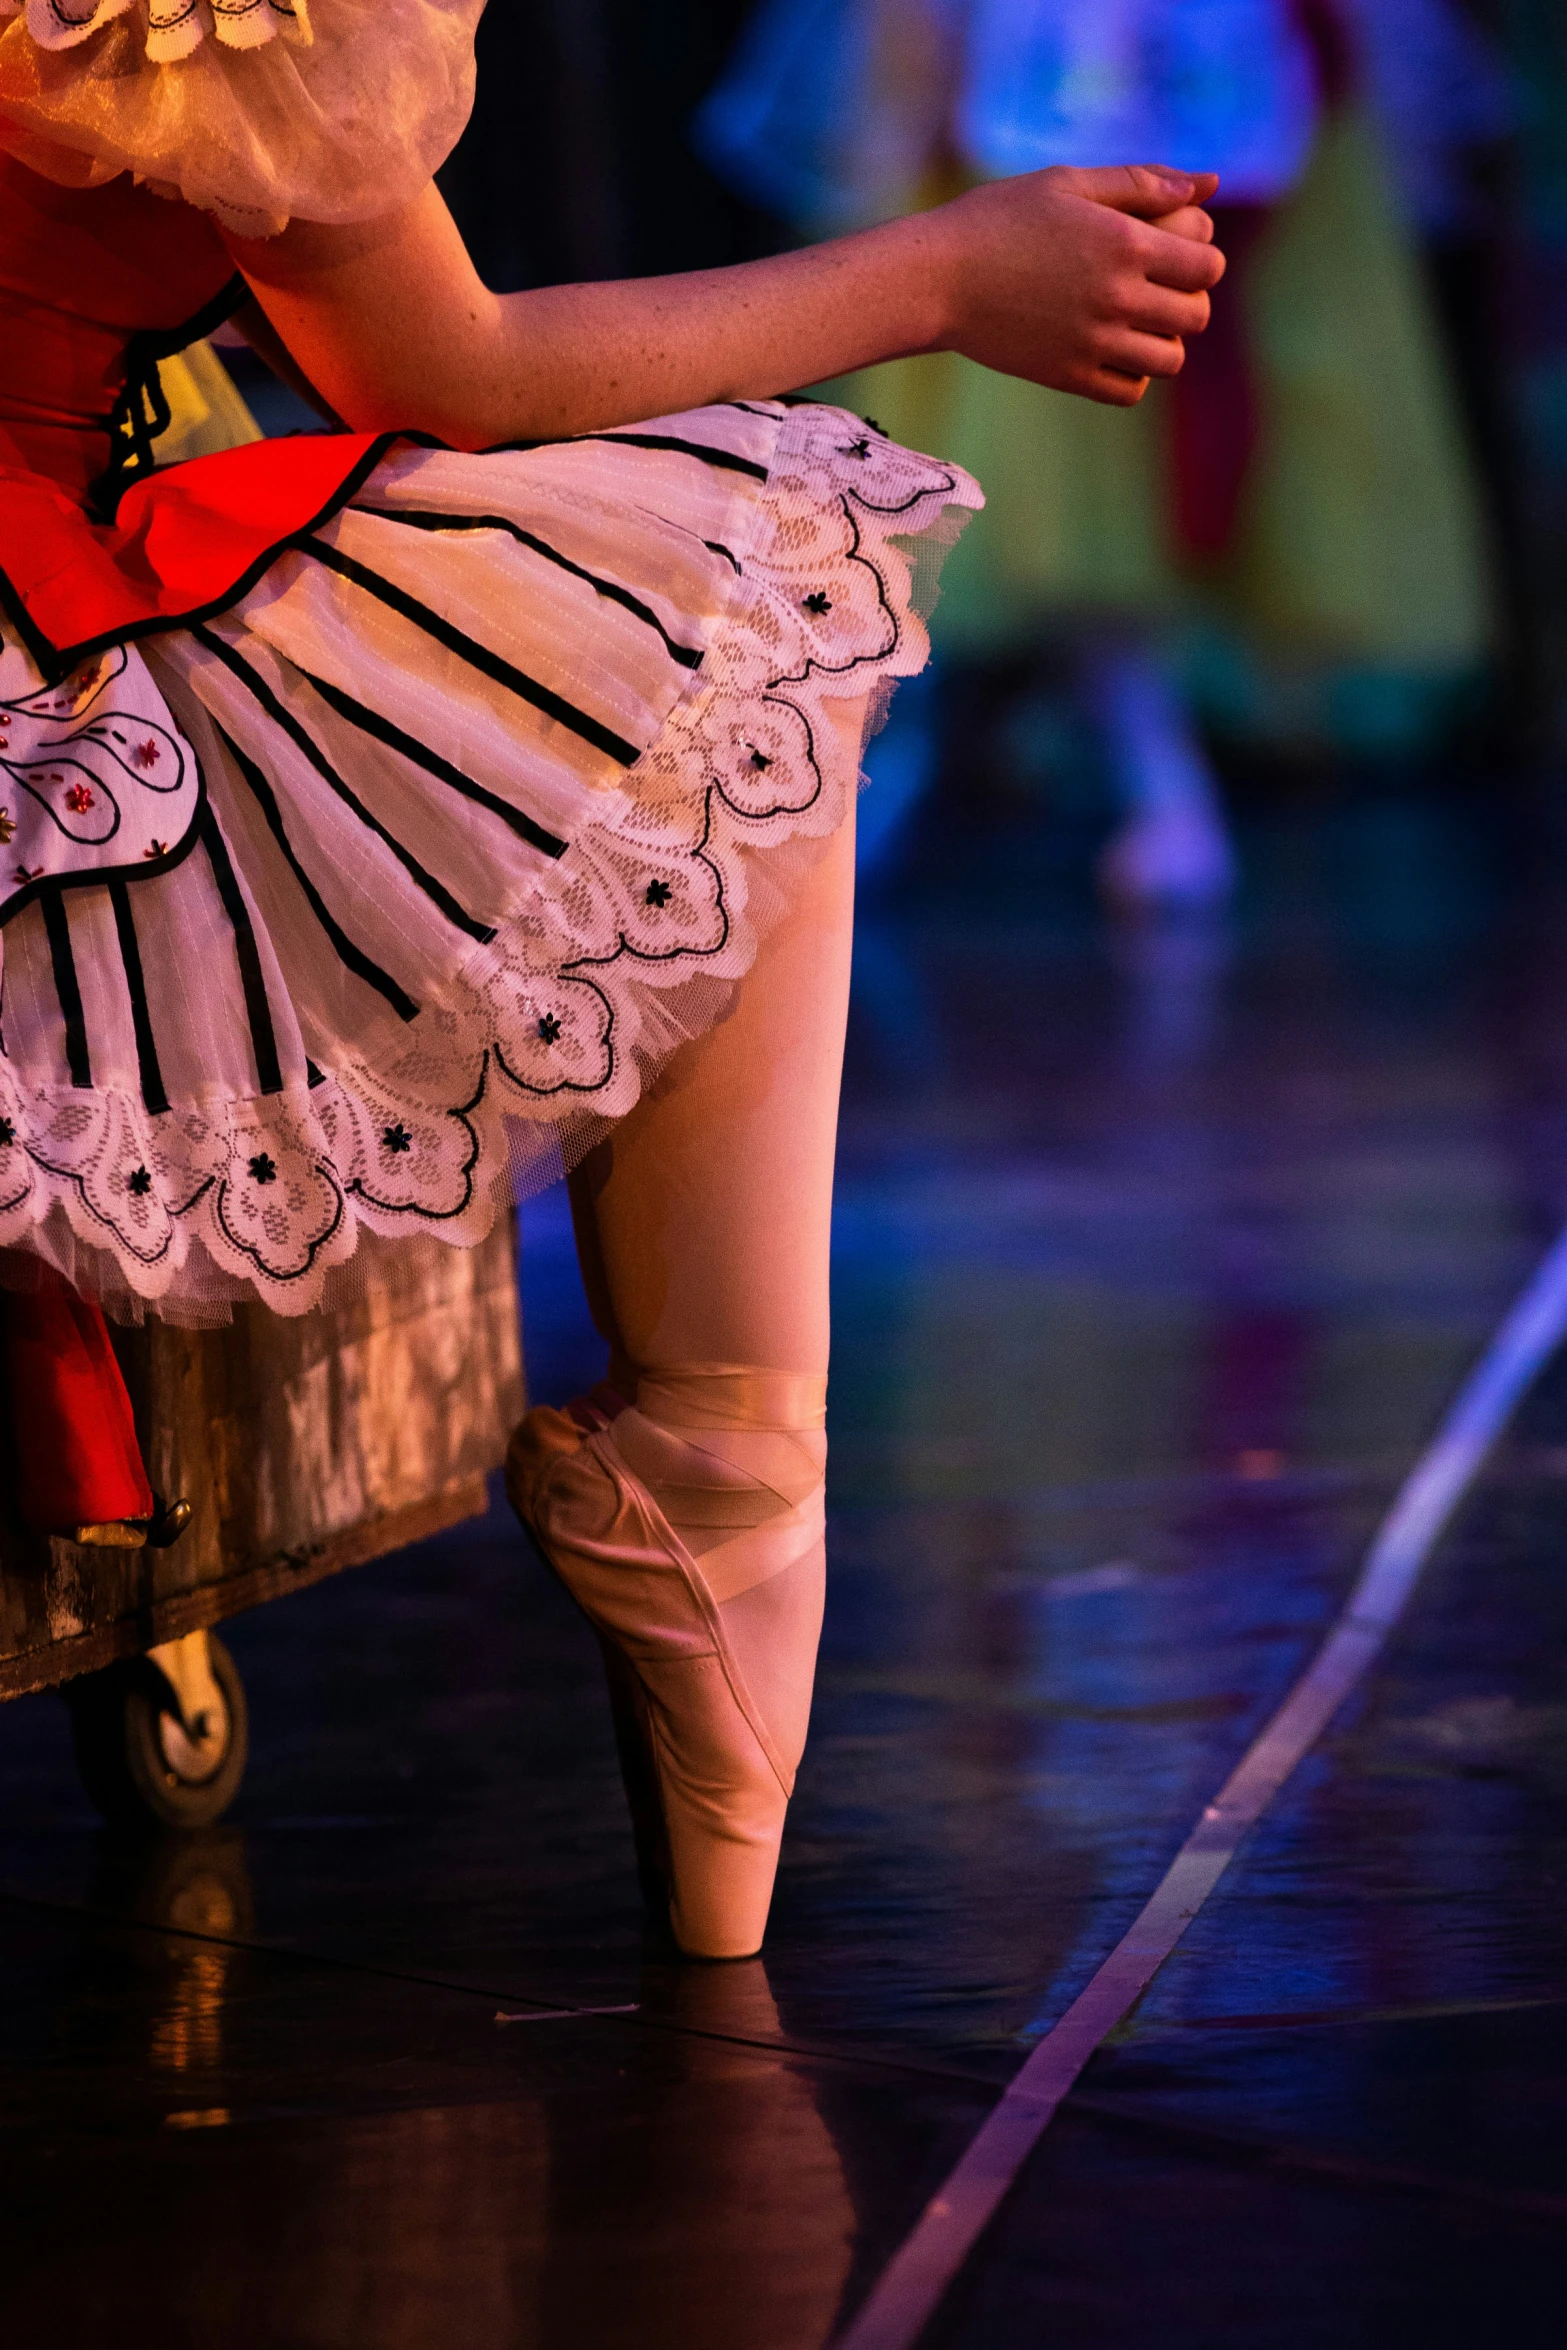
[{"x": 1297, "y": 514}]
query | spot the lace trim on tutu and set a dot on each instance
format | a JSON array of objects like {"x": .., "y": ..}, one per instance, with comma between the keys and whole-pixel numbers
[
  {"x": 253, "y": 110},
  {"x": 173, "y": 27},
  {"x": 553, "y": 1029}
]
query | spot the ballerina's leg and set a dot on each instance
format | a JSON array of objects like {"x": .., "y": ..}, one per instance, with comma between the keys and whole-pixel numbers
[
  {"x": 707, "y": 1213},
  {"x": 704, "y": 1224}
]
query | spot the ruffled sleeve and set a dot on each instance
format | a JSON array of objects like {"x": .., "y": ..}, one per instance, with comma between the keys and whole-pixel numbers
[{"x": 257, "y": 111}]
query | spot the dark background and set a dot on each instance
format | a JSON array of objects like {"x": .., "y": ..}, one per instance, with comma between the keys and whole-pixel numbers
[{"x": 576, "y": 163}]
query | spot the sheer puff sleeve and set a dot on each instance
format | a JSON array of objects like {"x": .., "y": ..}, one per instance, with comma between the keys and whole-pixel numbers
[{"x": 253, "y": 110}]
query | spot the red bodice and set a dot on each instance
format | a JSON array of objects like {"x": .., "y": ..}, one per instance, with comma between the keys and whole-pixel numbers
[{"x": 81, "y": 271}]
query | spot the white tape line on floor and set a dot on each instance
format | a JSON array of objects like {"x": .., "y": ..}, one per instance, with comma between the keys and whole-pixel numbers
[{"x": 910, "y": 2287}]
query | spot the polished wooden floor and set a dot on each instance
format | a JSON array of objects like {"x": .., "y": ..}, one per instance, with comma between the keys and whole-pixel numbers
[{"x": 1157, "y": 1253}]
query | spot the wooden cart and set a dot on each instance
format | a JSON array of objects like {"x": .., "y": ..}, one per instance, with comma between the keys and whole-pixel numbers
[{"x": 304, "y": 1447}]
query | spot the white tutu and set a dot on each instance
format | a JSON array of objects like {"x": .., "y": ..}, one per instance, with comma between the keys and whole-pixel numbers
[{"x": 422, "y": 855}]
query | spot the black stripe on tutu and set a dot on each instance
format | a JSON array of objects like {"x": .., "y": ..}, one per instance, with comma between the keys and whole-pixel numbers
[
  {"x": 353, "y": 957},
  {"x": 384, "y": 731},
  {"x": 689, "y": 656},
  {"x": 67, "y": 987},
  {"x": 725, "y": 460},
  {"x": 468, "y": 648},
  {"x": 283, "y": 718},
  {"x": 258, "y": 1012},
  {"x": 148, "y": 1068}
]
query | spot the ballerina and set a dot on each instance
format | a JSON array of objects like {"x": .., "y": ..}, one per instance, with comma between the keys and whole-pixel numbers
[{"x": 399, "y": 816}]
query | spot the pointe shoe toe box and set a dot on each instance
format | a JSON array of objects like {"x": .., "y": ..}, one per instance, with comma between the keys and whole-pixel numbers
[{"x": 710, "y": 1760}]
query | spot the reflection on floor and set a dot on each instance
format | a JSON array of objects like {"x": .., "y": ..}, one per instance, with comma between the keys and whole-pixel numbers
[{"x": 1157, "y": 1254}]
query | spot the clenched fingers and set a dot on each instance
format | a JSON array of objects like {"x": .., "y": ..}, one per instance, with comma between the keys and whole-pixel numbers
[
  {"x": 1157, "y": 310},
  {"x": 1178, "y": 260},
  {"x": 1190, "y": 221},
  {"x": 1109, "y": 388},
  {"x": 1143, "y": 189},
  {"x": 1127, "y": 352}
]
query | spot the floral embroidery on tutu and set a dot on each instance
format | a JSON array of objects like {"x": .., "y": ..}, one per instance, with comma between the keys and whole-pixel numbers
[{"x": 92, "y": 778}]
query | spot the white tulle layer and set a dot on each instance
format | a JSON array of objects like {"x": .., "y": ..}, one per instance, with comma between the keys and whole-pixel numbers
[
  {"x": 503, "y": 779},
  {"x": 254, "y": 110}
]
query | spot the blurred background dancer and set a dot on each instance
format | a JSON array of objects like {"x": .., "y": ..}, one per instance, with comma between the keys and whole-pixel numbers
[{"x": 1291, "y": 542}]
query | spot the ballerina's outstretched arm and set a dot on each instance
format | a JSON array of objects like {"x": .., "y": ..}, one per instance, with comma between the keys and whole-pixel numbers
[{"x": 1087, "y": 281}]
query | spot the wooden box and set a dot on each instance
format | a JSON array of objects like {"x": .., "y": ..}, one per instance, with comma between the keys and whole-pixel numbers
[{"x": 304, "y": 1446}]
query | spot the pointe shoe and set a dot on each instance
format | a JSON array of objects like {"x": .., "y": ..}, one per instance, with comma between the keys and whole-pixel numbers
[{"x": 708, "y": 1768}]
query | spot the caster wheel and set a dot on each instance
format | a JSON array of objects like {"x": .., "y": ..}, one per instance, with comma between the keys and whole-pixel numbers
[{"x": 140, "y": 1762}]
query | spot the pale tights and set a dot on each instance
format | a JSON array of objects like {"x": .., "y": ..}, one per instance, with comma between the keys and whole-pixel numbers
[{"x": 703, "y": 1227}]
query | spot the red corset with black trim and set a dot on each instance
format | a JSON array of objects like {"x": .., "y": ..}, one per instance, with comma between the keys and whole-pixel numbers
[{"x": 82, "y": 272}]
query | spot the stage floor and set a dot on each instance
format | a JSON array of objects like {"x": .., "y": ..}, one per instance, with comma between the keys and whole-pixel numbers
[{"x": 1158, "y": 1254}]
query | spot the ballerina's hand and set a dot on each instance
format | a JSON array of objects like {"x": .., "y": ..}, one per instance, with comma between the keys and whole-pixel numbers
[{"x": 1088, "y": 281}]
